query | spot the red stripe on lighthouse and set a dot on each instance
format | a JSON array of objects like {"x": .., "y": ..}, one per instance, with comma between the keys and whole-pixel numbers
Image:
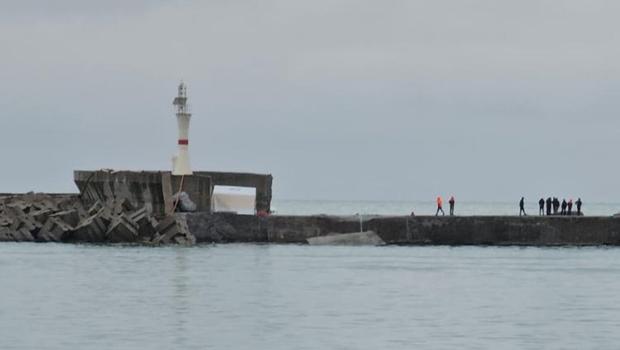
[{"x": 183, "y": 142}]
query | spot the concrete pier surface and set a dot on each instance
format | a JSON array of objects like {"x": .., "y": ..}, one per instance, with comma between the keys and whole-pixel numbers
[{"x": 408, "y": 230}]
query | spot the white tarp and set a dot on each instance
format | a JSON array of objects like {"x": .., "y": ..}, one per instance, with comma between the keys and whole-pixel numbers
[{"x": 240, "y": 200}]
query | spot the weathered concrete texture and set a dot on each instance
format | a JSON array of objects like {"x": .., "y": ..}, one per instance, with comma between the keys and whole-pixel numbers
[
  {"x": 499, "y": 230},
  {"x": 43, "y": 218},
  {"x": 229, "y": 228},
  {"x": 261, "y": 182},
  {"x": 487, "y": 230},
  {"x": 198, "y": 187},
  {"x": 154, "y": 189},
  {"x": 150, "y": 189},
  {"x": 140, "y": 188},
  {"x": 350, "y": 239}
]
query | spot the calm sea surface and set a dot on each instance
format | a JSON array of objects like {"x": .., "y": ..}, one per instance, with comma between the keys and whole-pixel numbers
[{"x": 55, "y": 296}]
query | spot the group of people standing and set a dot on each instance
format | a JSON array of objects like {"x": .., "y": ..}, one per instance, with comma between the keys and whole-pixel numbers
[{"x": 552, "y": 206}]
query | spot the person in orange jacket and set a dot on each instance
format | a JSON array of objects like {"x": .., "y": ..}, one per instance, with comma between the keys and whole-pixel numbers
[{"x": 439, "y": 206}]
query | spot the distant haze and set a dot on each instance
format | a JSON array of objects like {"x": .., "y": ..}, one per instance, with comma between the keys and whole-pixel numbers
[{"x": 395, "y": 100}]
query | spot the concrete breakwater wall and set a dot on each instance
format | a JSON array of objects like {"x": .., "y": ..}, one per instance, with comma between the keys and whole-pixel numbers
[
  {"x": 421, "y": 230},
  {"x": 66, "y": 218}
]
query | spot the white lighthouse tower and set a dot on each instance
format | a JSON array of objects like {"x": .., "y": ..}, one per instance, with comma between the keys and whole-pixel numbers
[{"x": 180, "y": 163}]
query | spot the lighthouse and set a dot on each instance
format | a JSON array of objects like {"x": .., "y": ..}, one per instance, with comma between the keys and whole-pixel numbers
[{"x": 180, "y": 163}]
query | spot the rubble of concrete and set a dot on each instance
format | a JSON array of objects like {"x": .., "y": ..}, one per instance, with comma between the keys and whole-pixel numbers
[{"x": 47, "y": 218}]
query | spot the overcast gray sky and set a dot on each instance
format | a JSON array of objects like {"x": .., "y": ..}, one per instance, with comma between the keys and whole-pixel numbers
[{"x": 338, "y": 99}]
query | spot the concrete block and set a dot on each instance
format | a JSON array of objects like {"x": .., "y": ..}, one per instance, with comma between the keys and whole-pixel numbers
[
  {"x": 46, "y": 204},
  {"x": 139, "y": 214},
  {"x": 105, "y": 215},
  {"x": 22, "y": 219},
  {"x": 123, "y": 205},
  {"x": 5, "y": 234},
  {"x": 5, "y": 220},
  {"x": 70, "y": 217},
  {"x": 41, "y": 215},
  {"x": 144, "y": 222},
  {"x": 54, "y": 230},
  {"x": 166, "y": 224},
  {"x": 92, "y": 230},
  {"x": 96, "y": 207},
  {"x": 184, "y": 239},
  {"x": 31, "y": 225},
  {"x": 17, "y": 224},
  {"x": 24, "y": 235},
  {"x": 82, "y": 212},
  {"x": 356, "y": 238},
  {"x": 16, "y": 211},
  {"x": 19, "y": 205},
  {"x": 21, "y": 235},
  {"x": 172, "y": 227},
  {"x": 122, "y": 230}
]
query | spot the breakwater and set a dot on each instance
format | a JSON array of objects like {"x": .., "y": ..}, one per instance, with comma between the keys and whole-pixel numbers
[
  {"x": 44, "y": 217},
  {"x": 67, "y": 218},
  {"x": 407, "y": 230}
]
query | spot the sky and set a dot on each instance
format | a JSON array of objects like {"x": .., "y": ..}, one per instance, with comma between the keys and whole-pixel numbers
[{"x": 337, "y": 99}]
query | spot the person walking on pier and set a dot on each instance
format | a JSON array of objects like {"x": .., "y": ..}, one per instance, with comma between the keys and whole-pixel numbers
[
  {"x": 439, "y": 207},
  {"x": 549, "y": 204},
  {"x": 522, "y": 207},
  {"x": 564, "y": 205},
  {"x": 556, "y": 205},
  {"x": 541, "y": 207},
  {"x": 451, "y": 202},
  {"x": 579, "y": 203},
  {"x": 570, "y": 207}
]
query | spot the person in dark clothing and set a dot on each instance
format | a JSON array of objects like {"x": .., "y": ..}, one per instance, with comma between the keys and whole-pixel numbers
[
  {"x": 570, "y": 207},
  {"x": 451, "y": 202},
  {"x": 541, "y": 207},
  {"x": 522, "y": 207},
  {"x": 564, "y": 204},
  {"x": 556, "y": 205},
  {"x": 579, "y": 203},
  {"x": 549, "y": 203}
]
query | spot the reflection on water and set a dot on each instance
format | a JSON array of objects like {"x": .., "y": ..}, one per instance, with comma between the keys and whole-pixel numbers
[
  {"x": 181, "y": 291},
  {"x": 283, "y": 297}
]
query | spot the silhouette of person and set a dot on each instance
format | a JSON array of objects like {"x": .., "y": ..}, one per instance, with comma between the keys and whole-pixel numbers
[
  {"x": 541, "y": 207},
  {"x": 556, "y": 205},
  {"x": 522, "y": 207},
  {"x": 549, "y": 204},
  {"x": 570, "y": 207},
  {"x": 451, "y": 202},
  {"x": 564, "y": 205},
  {"x": 579, "y": 203},
  {"x": 439, "y": 206}
]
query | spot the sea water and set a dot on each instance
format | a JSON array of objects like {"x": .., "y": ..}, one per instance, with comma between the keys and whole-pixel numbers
[{"x": 91, "y": 297}]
